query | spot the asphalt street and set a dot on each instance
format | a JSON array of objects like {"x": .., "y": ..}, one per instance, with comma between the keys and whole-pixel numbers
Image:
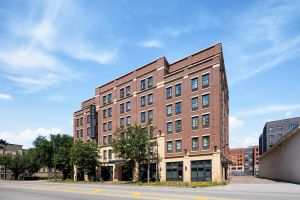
[{"x": 13, "y": 190}]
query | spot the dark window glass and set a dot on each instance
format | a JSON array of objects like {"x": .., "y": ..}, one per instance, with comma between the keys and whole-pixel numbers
[
  {"x": 122, "y": 108},
  {"x": 110, "y": 139},
  {"x": 104, "y": 140},
  {"x": 150, "y": 116},
  {"x": 143, "y": 84},
  {"x": 128, "y": 106},
  {"x": 77, "y": 133},
  {"x": 205, "y": 121},
  {"x": 109, "y": 111},
  {"x": 150, "y": 99},
  {"x": 128, "y": 90},
  {"x": 169, "y": 92},
  {"x": 143, "y": 101},
  {"x": 77, "y": 122},
  {"x": 293, "y": 126},
  {"x": 169, "y": 146},
  {"x": 205, "y": 101},
  {"x": 195, "y": 122},
  {"x": 128, "y": 121},
  {"x": 194, "y": 84},
  {"x": 88, "y": 119},
  {"x": 109, "y": 98},
  {"x": 280, "y": 128},
  {"x": 174, "y": 171},
  {"x": 122, "y": 92},
  {"x": 178, "y": 126},
  {"x": 169, "y": 110},
  {"x": 81, "y": 121},
  {"x": 194, "y": 103},
  {"x": 104, "y": 114},
  {"x": 88, "y": 131},
  {"x": 81, "y": 132},
  {"x": 205, "y": 81},
  {"x": 178, "y": 108},
  {"x": 143, "y": 117},
  {"x": 105, "y": 155},
  {"x": 104, "y": 100},
  {"x": 104, "y": 127},
  {"x": 201, "y": 170},
  {"x": 150, "y": 82},
  {"x": 195, "y": 144},
  {"x": 169, "y": 127},
  {"x": 178, "y": 144},
  {"x": 178, "y": 90},
  {"x": 122, "y": 122},
  {"x": 109, "y": 126},
  {"x": 205, "y": 142},
  {"x": 109, "y": 154}
]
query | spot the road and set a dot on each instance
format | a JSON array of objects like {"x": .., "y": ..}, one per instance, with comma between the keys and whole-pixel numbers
[{"x": 12, "y": 190}]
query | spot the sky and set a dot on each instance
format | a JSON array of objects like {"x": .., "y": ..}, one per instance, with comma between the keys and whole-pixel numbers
[{"x": 53, "y": 54}]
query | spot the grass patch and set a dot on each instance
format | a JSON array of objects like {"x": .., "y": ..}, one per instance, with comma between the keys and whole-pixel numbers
[{"x": 180, "y": 184}]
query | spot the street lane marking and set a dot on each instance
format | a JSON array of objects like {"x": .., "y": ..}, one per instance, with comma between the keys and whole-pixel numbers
[
  {"x": 97, "y": 190},
  {"x": 136, "y": 194},
  {"x": 201, "y": 198}
]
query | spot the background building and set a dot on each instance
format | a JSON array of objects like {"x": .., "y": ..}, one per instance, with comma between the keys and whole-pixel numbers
[
  {"x": 274, "y": 131},
  {"x": 187, "y": 102},
  {"x": 245, "y": 161},
  {"x": 282, "y": 160}
]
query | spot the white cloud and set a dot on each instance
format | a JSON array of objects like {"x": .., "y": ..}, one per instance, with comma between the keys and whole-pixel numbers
[
  {"x": 235, "y": 122},
  {"x": 269, "y": 109},
  {"x": 153, "y": 43},
  {"x": 5, "y": 96},
  {"x": 27, "y": 136},
  {"x": 240, "y": 140},
  {"x": 288, "y": 114}
]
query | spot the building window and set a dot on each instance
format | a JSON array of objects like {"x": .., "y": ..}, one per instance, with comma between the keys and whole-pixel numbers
[
  {"x": 150, "y": 116},
  {"x": 271, "y": 129},
  {"x": 195, "y": 144},
  {"x": 109, "y": 98},
  {"x": 104, "y": 100},
  {"x": 143, "y": 101},
  {"x": 122, "y": 92},
  {"x": 81, "y": 121},
  {"x": 169, "y": 110},
  {"x": 104, "y": 140},
  {"x": 128, "y": 106},
  {"x": 105, "y": 155},
  {"x": 109, "y": 154},
  {"x": 104, "y": 114},
  {"x": 169, "y": 92},
  {"x": 280, "y": 128},
  {"x": 271, "y": 137},
  {"x": 150, "y": 82},
  {"x": 109, "y": 111},
  {"x": 110, "y": 139},
  {"x": 122, "y": 108},
  {"x": 174, "y": 171},
  {"x": 205, "y": 81},
  {"x": 88, "y": 119},
  {"x": 104, "y": 127},
  {"x": 205, "y": 142},
  {"x": 279, "y": 136},
  {"x": 194, "y": 103},
  {"x": 77, "y": 134},
  {"x": 150, "y": 99},
  {"x": 194, "y": 84},
  {"x": 143, "y": 117},
  {"x": 205, "y": 101},
  {"x": 178, "y": 145},
  {"x": 88, "y": 131},
  {"x": 128, "y": 121},
  {"x": 195, "y": 122},
  {"x": 178, "y": 90},
  {"x": 109, "y": 126},
  {"x": 205, "y": 121},
  {"x": 128, "y": 90},
  {"x": 77, "y": 122},
  {"x": 201, "y": 170},
  {"x": 121, "y": 122},
  {"x": 143, "y": 85},
  {"x": 81, "y": 132},
  {"x": 169, "y": 127},
  {"x": 169, "y": 147},
  {"x": 178, "y": 126},
  {"x": 293, "y": 126},
  {"x": 178, "y": 108}
]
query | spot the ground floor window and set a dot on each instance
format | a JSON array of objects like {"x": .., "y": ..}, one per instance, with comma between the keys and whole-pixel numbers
[
  {"x": 201, "y": 170},
  {"x": 174, "y": 171}
]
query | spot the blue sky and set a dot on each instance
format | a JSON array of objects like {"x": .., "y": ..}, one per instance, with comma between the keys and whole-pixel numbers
[{"x": 53, "y": 54}]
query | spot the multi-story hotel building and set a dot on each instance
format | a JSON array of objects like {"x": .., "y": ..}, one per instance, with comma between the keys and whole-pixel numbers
[{"x": 187, "y": 103}]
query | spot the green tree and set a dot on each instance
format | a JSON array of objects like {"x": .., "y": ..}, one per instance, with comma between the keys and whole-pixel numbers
[
  {"x": 32, "y": 162},
  {"x": 18, "y": 165},
  {"x": 133, "y": 144},
  {"x": 44, "y": 151},
  {"x": 5, "y": 160},
  {"x": 62, "y": 145},
  {"x": 85, "y": 156}
]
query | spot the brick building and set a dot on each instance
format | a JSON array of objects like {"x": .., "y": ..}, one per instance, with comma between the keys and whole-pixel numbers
[{"x": 187, "y": 103}]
